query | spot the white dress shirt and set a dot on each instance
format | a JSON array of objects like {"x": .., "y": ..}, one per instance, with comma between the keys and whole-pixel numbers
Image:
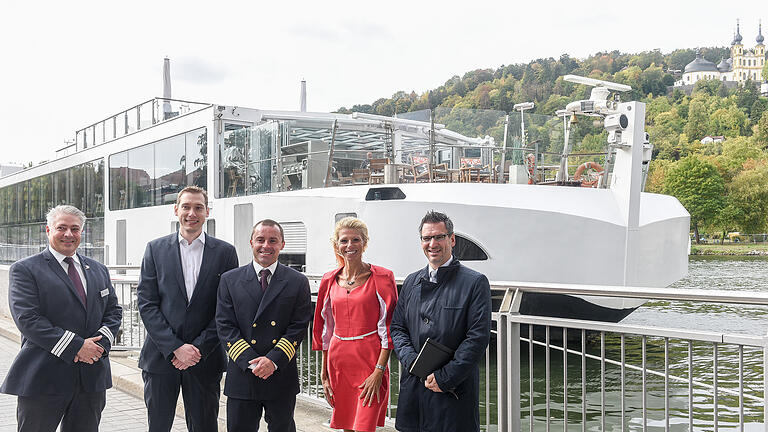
[
  {"x": 191, "y": 260},
  {"x": 60, "y": 258},
  {"x": 433, "y": 272},
  {"x": 259, "y": 268}
]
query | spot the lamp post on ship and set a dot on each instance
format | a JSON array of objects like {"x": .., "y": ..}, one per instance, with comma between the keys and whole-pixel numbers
[{"x": 520, "y": 160}]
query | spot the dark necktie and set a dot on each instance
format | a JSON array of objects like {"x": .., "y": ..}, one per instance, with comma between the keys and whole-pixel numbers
[
  {"x": 72, "y": 272},
  {"x": 264, "y": 274}
]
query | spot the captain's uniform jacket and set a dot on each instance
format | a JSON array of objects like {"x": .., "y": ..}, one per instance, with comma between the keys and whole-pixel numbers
[
  {"x": 455, "y": 311},
  {"x": 54, "y": 324},
  {"x": 252, "y": 325}
]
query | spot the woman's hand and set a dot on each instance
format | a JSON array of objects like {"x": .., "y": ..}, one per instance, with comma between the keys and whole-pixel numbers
[
  {"x": 371, "y": 386},
  {"x": 327, "y": 390}
]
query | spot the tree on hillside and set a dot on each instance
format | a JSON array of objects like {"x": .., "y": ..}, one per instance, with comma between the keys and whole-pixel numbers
[
  {"x": 729, "y": 122},
  {"x": 699, "y": 187},
  {"x": 726, "y": 219},
  {"x": 735, "y": 152},
  {"x": 657, "y": 175},
  {"x": 698, "y": 119},
  {"x": 749, "y": 192},
  {"x": 761, "y": 130}
]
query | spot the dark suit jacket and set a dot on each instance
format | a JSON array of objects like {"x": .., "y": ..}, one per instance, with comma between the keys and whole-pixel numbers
[
  {"x": 272, "y": 325},
  {"x": 53, "y": 324},
  {"x": 455, "y": 311},
  {"x": 170, "y": 319}
]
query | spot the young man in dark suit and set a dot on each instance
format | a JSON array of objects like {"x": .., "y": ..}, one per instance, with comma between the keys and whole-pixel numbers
[
  {"x": 262, "y": 316},
  {"x": 177, "y": 302},
  {"x": 66, "y": 310}
]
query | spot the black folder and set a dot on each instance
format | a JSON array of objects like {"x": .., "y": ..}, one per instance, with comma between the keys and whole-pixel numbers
[{"x": 433, "y": 356}]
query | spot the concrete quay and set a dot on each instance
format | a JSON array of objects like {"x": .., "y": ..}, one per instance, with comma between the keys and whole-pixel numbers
[{"x": 125, "y": 410}]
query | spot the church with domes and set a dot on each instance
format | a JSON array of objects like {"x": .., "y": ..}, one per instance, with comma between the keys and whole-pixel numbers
[{"x": 744, "y": 64}]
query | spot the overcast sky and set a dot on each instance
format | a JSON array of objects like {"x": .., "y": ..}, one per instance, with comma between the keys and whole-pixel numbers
[{"x": 66, "y": 64}]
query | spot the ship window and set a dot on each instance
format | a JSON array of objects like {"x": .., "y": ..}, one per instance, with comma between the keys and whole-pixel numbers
[
  {"x": 384, "y": 194},
  {"x": 294, "y": 261},
  {"x": 467, "y": 250},
  {"x": 170, "y": 175},
  {"x": 340, "y": 216},
  {"x": 118, "y": 181},
  {"x": 197, "y": 158},
  {"x": 153, "y": 174},
  {"x": 294, "y": 254},
  {"x": 141, "y": 171}
]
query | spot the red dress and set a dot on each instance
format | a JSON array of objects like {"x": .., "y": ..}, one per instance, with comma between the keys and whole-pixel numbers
[{"x": 354, "y": 327}]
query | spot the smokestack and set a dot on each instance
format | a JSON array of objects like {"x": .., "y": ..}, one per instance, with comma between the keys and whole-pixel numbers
[
  {"x": 303, "y": 101},
  {"x": 166, "y": 88}
]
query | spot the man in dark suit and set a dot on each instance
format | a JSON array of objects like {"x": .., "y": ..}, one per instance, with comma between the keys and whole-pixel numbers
[
  {"x": 66, "y": 310},
  {"x": 177, "y": 302},
  {"x": 262, "y": 315},
  {"x": 451, "y": 304}
]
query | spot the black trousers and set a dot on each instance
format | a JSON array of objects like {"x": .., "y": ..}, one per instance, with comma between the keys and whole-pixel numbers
[
  {"x": 77, "y": 412},
  {"x": 244, "y": 415},
  {"x": 200, "y": 394}
]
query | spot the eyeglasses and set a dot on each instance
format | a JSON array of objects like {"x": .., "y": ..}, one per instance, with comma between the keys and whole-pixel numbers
[{"x": 437, "y": 237}]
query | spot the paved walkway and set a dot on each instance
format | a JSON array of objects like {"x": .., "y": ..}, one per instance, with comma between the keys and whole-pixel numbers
[{"x": 123, "y": 412}]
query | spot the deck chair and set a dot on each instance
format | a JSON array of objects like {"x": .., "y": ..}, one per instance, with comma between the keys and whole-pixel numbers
[{"x": 376, "y": 170}]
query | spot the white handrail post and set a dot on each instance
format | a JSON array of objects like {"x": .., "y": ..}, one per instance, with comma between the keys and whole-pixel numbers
[{"x": 765, "y": 382}]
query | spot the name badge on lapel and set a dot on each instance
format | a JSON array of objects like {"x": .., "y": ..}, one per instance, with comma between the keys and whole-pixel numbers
[{"x": 104, "y": 292}]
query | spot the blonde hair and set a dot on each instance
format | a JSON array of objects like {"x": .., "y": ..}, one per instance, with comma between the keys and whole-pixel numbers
[{"x": 348, "y": 223}]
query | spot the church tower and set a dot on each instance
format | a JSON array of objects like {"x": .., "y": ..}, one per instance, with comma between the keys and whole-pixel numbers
[
  {"x": 737, "y": 54},
  {"x": 760, "y": 53}
]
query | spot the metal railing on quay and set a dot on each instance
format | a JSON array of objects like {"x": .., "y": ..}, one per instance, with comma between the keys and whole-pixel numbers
[
  {"x": 639, "y": 377},
  {"x": 576, "y": 374}
]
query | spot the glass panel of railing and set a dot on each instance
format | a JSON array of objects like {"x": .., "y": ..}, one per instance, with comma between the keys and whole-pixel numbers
[
  {"x": 262, "y": 164},
  {"x": 304, "y": 149},
  {"x": 109, "y": 129},
  {"x": 80, "y": 139},
  {"x": 543, "y": 134},
  {"x": 467, "y": 144},
  {"x": 98, "y": 133},
  {"x": 232, "y": 160},
  {"x": 132, "y": 120},
  {"x": 421, "y": 115},
  {"x": 147, "y": 114},
  {"x": 89, "y": 137}
]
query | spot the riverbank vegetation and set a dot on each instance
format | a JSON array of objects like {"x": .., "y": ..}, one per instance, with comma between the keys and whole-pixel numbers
[
  {"x": 730, "y": 249},
  {"x": 723, "y": 184}
]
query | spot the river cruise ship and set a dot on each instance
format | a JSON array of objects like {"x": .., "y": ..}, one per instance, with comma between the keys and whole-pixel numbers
[{"x": 308, "y": 170}]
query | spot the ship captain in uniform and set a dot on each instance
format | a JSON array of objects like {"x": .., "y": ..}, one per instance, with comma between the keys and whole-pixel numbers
[{"x": 263, "y": 312}]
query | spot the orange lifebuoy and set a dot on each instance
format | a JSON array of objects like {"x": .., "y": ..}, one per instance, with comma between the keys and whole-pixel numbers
[{"x": 588, "y": 182}]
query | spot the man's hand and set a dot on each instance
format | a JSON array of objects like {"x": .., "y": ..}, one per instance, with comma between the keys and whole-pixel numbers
[
  {"x": 431, "y": 383},
  {"x": 90, "y": 352},
  {"x": 186, "y": 356},
  {"x": 264, "y": 367}
]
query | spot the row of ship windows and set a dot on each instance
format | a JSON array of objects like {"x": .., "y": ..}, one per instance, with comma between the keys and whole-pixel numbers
[{"x": 20, "y": 241}]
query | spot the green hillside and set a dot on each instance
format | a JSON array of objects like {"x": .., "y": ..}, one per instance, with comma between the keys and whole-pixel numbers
[{"x": 723, "y": 185}]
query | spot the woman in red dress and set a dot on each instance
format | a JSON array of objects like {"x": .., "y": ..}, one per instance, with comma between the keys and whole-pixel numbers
[{"x": 354, "y": 309}]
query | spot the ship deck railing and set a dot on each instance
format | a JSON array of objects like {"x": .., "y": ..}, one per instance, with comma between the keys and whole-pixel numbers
[{"x": 667, "y": 377}]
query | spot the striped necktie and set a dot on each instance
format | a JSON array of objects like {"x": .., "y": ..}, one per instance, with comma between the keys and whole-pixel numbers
[{"x": 72, "y": 272}]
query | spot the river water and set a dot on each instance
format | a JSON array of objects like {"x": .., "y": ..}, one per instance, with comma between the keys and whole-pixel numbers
[
  {"x": 708, "y": 273},
  {"x": 715, "y": 273}
]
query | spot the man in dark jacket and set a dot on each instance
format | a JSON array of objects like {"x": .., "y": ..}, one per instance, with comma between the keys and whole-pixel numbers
[
  {"x": 177, "y": 301},
  {"x": 450, "y": 304},
  {"x": 67, "y": 312},
  {"x": 262, "y": 315}
]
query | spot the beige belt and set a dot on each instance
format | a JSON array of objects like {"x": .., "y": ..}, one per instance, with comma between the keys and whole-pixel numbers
[{"x": 355, "y": 337}]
